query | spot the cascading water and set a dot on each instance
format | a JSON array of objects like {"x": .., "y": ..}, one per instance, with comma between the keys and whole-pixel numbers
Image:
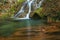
[{"x": 29, "y": 4}]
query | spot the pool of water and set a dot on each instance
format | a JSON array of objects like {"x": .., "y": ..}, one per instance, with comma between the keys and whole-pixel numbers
[
  {"x": 8, "y": 27},
  {"x": 30, "y": 22}
]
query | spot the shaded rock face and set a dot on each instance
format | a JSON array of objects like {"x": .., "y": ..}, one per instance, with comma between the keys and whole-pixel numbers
[{"x": 36, "y": 16}]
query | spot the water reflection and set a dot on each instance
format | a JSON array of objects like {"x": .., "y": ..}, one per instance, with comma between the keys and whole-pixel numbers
[
  {"x": 29, "y": 30},
  {"x": 30, "y": 22}
]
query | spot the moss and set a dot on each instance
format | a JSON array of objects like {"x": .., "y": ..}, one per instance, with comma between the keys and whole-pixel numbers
[
  {"x": 20, "y": 1},
  {"x": 38, "y": 11}
]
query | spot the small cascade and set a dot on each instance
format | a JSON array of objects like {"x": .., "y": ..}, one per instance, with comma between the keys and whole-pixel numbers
[{"x": 29, "y": 4}]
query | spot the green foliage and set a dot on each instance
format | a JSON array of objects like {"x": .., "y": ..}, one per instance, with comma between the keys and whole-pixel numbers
[
  {"x": 20, "y": 1},
  {"x": 4, "y": 16}
]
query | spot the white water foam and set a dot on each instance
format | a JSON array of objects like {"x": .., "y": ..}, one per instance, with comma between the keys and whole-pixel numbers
[{"x": 29, "y": 3}]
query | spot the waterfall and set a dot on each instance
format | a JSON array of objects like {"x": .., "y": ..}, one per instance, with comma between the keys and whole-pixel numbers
[{"x": 29, "y": 4}]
